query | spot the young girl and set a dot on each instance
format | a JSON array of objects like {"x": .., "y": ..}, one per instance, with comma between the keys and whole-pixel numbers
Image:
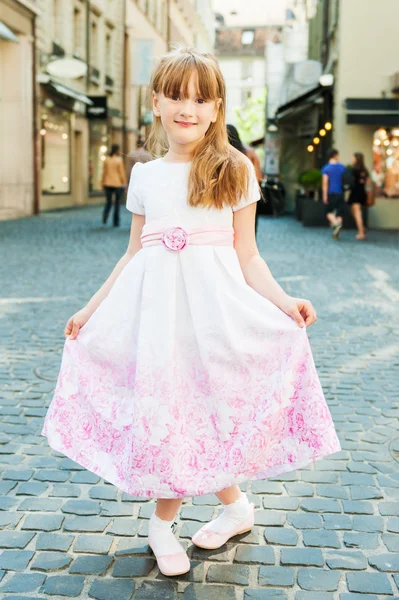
[{"x": 189, "y": 371}]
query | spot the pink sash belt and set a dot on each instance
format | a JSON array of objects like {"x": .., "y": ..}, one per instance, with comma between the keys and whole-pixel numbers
[{"x": 176, "y": 238}]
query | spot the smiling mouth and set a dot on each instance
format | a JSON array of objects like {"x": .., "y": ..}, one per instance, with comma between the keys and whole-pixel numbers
[{"x": 185, "y": 123}]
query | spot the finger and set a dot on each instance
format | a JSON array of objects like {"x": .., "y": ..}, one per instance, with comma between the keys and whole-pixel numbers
[
  {"x": 68, "y": 327},
  {"x": 298, "y": 318},
  {"x": 75, "y": 331},
  {"x": 310, "y": 318}
]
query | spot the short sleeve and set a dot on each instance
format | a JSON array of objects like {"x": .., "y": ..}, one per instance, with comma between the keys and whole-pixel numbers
[
  {"x": 324, "y": 170},
  {"x": 134, "y": 201},
  {"x": 253, "y": 193}
]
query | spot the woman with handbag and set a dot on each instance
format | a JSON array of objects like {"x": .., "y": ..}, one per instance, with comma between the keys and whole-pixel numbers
[{"x": 361, "y": 193}]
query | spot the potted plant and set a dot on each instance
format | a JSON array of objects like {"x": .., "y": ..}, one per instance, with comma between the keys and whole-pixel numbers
[{"x": 312, "y": 208}]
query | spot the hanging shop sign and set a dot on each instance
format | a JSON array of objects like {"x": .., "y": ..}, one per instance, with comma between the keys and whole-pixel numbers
[{"x": 99, "y": 109}]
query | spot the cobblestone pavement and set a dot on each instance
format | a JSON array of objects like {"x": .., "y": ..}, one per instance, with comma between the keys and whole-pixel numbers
[{"x": 328, "y": 532}]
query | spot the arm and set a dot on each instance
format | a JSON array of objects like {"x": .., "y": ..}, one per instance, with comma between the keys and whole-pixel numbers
[
  {"x": 122, "y": 172},
  {"x": 324, "y": 186},
  {"x": 257, "y": 274},
  {"x": 105, "y": 167},
  {"x": 81, "y": 317}
]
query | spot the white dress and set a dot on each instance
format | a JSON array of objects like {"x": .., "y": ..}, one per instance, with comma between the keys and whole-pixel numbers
[{"x": 185, "y": 380}]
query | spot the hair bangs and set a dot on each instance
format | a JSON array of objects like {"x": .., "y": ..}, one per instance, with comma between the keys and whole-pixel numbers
[{"x": 176, "y": 77}]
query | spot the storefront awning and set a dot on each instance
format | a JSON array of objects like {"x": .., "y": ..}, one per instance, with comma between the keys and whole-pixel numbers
[
  {"x": 7, "y": 34},
  {"x": 290, "y": 109},
  {"x": 66, "y": 91},
  {"x": 372, "y": 111}
]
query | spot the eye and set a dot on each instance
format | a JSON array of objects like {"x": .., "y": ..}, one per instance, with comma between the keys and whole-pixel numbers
[
  {"x": 174, "y": 97},
  {"x": 201, "y": 101}
]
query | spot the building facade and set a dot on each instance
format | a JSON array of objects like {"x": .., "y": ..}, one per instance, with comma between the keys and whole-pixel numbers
[{"x": 18, "y": 159}]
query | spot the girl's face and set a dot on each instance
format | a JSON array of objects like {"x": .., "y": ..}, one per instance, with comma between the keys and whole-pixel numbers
[{"x": 185, "y": 120}]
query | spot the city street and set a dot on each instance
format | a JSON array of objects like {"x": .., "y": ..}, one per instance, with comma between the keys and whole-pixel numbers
[{"x": 328, "y": 532}]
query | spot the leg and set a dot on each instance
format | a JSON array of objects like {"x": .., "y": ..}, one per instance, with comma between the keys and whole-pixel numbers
[
  {"x": 229, "y": 495},
  {"x": 171, "y": 558},
  {"x": 357, "y": 215},
  {"x": 118, "y": 194},
  {"x": 108, "y": 203}
]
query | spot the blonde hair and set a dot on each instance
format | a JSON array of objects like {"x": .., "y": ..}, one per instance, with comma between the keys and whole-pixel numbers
[{"x": 219, "y": 173}]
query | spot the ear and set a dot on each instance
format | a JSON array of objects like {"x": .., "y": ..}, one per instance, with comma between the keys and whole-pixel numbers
[
  {"x": 155, "y": 105},
  {"x": 215, "y": 114}
]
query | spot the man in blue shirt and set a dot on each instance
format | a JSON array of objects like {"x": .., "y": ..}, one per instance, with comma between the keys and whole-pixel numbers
[{"x": 333, "y": 191}]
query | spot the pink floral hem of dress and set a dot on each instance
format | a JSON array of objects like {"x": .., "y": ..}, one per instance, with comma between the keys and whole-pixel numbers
[{"x": 185, "y": 381}]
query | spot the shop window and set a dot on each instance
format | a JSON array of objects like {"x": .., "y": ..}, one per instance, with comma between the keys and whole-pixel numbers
[
  {"x": 56, "y": 152},
  {"x": 98, "y": 151},
  {"x": 385, "y": 172}
]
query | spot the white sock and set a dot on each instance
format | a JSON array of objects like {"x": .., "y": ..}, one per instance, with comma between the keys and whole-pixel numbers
[
  {"x": 232, "y": 515},
  {"x": 161, "y": 537}
]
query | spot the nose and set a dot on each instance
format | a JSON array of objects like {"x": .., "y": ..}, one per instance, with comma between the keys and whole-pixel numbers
[{"x": 186, "y": 108}]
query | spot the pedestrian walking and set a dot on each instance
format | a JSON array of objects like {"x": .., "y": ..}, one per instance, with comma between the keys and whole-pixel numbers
[
  {"x": 235, "y": 141},
  {"x": 333, "y": 191},
  {"x": 140, "y": 154},
  {"x": 113, "y": 182},
  {"x": 358, "y": 197},
  {"x": 190, "y": 371}
]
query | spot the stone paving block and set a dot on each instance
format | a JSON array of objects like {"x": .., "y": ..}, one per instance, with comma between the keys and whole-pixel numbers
[
  {"x": 320, "y": 505},
  {"x": 86, "y": 524},
  {"x": 146, "y": 510},
  {"x": 9, "y": 518},
  {"x": 390, "y": 509},
  {"x": 189, "y": 528},
  {"x": 357, "y": 479},
  {"x": 115, "y": 509},
  {"x": 143, "y": 528},
  {"x": 396, "y": 579},
  {"x": 266, "y": 594},
  {"x": 7, "y": 503},
  {"x": 265, "y": 486},
  {"x": 18, "y": 475},
  {"x": 207, "y": 500},
  {"x": 23, "y": 582},
  {"x": 52, "y": 475},
  {"x": 337, "y": 522},
  {"x": 393, "y": 524},
  {"x": 385, "y": 562},
  {"x": 347, "y": 561},
  {"x": 364, "y": 492},
  {"x": 358, "y": 507},
  {"x": 31, "y": 488},
  {"x": 332, "y": 491},
  {"x": 15, "y": 539},
  {"x": 269, "y": 518},
  {"x": 319, "y": 477},
  {"x": 367, "y": 523},
  {"x": 92, "y": 544},
  {"x": 129, "y": 498},
  {"x": 321, "y": 538},
  {"x": 81, "y": 507},
  {"x": 299, "y": 488},
  {"x": 111, "y": 589},
  {"x": 360, "y": 540},
  {"x": 255, "y": 555},
  {"x": 310, "y": 557},
  {"x": 103, "y": 492},
  {"x": 305, "y": 521},
  {"x": 198, "y": 591},
  {"x": 133, "y": 546},
  {"x": 391, "y": 541},
  {"x": 91, "y": 565},
  {"x": 154, "y": 590},
  {"x": 364, "y": 583},
  {"x": 85, "y": 477},
  {"x": 51, "y": 561},
  {"x": 65, "y": 490},
  {"x": 15, "y": 560},
  {"x": 361, "y": 467},
  {"x": 289, "y": 476},
  {"x": 54, "y": 541},
  {"x": 196, "y": 513},
  {"x": 39, "y": 504},
  {"x": 123, "y": 527},
  {"x": 280, "y": 503},
  {"x": 63, "y": 585},
  {"x": 281, "y": 536},
  {"x": 132, "y": 567},
  {"x": 280, "y": 576},
  {"x": 43, "y": 522},
  {"x": 318, "y": 580},
  {"x": 358, "y": 597},
  {"x": 222, "y": 554},
  {"x": 234, "y": 574},
  {"x": 7, "y": 486},
  {"x": 301, "y": 595},
  {"x": 71, "y": 465}
]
